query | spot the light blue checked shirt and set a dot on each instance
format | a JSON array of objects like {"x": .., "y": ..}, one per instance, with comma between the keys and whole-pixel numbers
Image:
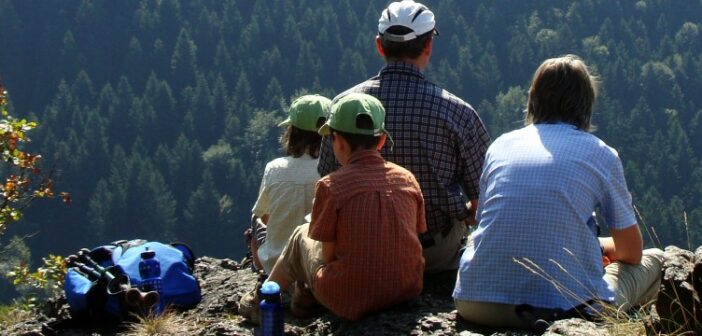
[{"x": 539, "y": 186}]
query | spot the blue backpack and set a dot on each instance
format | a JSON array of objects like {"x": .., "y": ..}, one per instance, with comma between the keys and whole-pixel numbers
[{"x": 110, "y": 281}]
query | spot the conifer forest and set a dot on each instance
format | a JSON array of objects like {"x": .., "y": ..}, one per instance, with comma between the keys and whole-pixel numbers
[{"x": 159, "y": 115}]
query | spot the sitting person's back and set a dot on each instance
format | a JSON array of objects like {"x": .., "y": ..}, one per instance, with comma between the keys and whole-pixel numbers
[
  {"x": 287, "y": 187},
  {"x": 372, "y": 210},
  {"x": 536, "y": 253},
  {"x": 542, "y": 183},
  {"x": 285, "y": 197}
]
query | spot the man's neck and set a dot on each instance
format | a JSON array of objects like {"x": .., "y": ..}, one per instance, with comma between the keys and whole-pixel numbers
[{"x": 416, "y": 62}]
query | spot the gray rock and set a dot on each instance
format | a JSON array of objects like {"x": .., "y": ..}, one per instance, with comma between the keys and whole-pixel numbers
[
  {"x": 224, "y": 282},
  {"x": 677, "y": 300},
  {"x": 576, "y": 327}
]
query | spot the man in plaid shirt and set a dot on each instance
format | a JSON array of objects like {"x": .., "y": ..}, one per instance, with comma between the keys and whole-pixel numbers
[{"x": 437, "y": 136}]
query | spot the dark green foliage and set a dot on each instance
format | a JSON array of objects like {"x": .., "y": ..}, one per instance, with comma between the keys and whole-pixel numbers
[{"x": 162, "y": 114}]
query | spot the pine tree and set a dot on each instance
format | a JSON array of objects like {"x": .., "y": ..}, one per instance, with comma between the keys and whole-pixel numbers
[{"x": 184, "y": 61}]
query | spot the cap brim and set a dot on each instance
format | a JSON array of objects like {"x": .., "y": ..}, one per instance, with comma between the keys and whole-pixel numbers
[
  {"x": 285, "y": 122},
  {"x": 389, "y": 138},
  {"x": 324, "y": 130},
  {"x": 399, "y": 38}
]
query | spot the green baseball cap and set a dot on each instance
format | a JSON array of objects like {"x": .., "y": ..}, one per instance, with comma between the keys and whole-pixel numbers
[
  {"x": 348, "y": 108},
  {"x": 305, "y": 111}
]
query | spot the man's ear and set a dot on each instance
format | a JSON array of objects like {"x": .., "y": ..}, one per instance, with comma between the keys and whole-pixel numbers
[
  {"x": 428, "y": 45},
  {"x": 379, "y": 46}
]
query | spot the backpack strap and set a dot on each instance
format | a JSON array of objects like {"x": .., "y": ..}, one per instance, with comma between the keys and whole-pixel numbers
[
  {"x": 188, "y": 254},
  {"x": 127, "y": 244},
  {"x": 102, "y": 253}
]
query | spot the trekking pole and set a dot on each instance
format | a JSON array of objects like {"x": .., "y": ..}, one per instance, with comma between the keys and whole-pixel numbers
[
  {"x": 72, "y": 260},
  {"x": 117, "y": 284},
  {"x": 84, "y": 254}
]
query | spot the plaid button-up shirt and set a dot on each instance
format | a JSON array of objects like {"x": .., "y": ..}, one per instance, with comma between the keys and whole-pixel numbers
[
  {"x": 437, "y": 136},
  {"x": 373, "y": 211}
]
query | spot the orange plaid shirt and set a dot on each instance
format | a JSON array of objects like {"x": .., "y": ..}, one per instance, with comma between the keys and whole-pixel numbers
[{"x": 373, "y": 211}]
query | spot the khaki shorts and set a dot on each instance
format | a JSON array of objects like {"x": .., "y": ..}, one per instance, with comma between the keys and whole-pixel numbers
[
  {"x": 301, "y": 258},
  {"x": 445, "y": 254}
]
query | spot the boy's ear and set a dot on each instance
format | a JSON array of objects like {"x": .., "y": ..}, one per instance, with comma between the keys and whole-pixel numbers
[
  {"x": 340, "y": 139},
  {"x": 381, "y": 141}
]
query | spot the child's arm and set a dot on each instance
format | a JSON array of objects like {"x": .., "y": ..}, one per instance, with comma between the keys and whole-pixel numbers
[
  {"x": 328, "y": 249},
  {"x": 608, "y": 250},
  {"x": 324, "y": 219}
]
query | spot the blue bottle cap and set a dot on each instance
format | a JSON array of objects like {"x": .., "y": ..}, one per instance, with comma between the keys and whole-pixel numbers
[{"x": 270, "y": 288}]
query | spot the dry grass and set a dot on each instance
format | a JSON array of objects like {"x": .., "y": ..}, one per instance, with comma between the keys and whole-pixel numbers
[
  {"x": 623, "y": 324},
  {"x": 625, "y": 327},
  {"x": 168, "y": 323},
  {"x": 616, "y": 322},
  {"x": 10, "y": 315}
]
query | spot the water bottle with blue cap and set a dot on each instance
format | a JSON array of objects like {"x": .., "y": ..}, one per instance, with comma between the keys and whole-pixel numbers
[
  {"x": 272, "y": 321},
  {"x": 150, "y": 272}
]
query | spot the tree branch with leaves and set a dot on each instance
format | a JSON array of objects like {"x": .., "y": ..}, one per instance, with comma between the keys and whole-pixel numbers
[
  {"x": 22, "y": 178},
  {"x": 22, "y": 182}
]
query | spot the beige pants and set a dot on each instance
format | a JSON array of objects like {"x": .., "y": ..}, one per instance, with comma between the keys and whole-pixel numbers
[
  {"x": 633, "y": 285},
  {"x": 301, "y": 258},
  {"x": 445, "y": 254}
]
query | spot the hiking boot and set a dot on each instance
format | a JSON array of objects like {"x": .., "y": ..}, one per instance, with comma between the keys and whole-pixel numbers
[
  {"x": 286, "y": 299},
  {"x": 303, "y": 303},
  {"x": 249, "y": 306},
  {"x": 249, "y": 303},
  {"x": 248, "y": 260}
]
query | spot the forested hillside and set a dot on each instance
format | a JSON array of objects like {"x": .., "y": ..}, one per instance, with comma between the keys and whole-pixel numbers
[{"x": 160, "y": 114}]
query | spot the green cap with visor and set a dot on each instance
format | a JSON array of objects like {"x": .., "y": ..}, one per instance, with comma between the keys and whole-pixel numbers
[
  {"x": 305, "y": 112},
  {"x": 348, "y": 108}
]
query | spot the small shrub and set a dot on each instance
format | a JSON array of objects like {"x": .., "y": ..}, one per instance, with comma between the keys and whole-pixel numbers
[
  {"x": 168, "y": 323},
  {"x": 45, "y": 281},
  {"x": 13, "y": 314}
]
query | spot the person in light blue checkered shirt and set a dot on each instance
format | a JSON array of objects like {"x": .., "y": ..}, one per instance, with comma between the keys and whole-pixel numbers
[{"x": 534, "y": 250}]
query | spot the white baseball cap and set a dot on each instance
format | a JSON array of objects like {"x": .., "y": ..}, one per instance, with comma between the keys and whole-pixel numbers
[{"x": 409, "y": 14}]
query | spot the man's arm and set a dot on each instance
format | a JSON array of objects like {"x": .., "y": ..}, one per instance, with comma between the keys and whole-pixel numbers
[
  {"x": 472, "y": 206},
  {"x": 625, "y": 245},
  {"x": 327, "y": 161},
  {"x": 421, "y": 211},
  {"x": 473, "y": 146}
]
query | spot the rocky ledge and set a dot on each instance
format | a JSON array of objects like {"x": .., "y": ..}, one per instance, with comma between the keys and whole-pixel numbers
[{"x": 224, "y": 281}]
